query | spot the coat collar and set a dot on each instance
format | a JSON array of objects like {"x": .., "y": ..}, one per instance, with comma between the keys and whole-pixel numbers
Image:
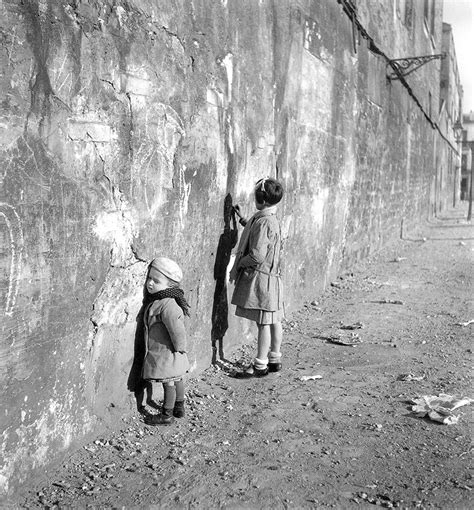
[{"x": 266, "y": 212}]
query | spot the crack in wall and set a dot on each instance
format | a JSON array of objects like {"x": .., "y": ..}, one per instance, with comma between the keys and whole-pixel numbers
[{"x": 175, "y": 35}]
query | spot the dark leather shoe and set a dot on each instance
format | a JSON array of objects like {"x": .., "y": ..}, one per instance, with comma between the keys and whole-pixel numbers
[
  {"x": 274, "y": 367},
  {"x": 158, "y": 419},
  {"x": 251, "y": 372},
  {"x": 178, "y": 411}
]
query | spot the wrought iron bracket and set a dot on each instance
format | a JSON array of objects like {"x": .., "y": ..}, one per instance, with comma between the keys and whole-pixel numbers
[{"x": 405, "y": 66}]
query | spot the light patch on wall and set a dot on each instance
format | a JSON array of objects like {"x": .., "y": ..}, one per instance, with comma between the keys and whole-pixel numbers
[
  {"x": 10, "y": 132},
  {"x": 333, "y": 251},
  {"x": 53, "y": 406},
  {"x": 244, "y": 191},
  {"x": 90, "y": 129},
  {"x": 15, "y": 234},
  {"x": 287, "y": 226},
  {"x": 212, "y": 123},
  {"x": 117, "y": 228},
  {"x": 349, "y": 168},
  {"x": 230, "y": 134},
  {"x": 120, "y": 13},
  {"x": 316, "y": 93},
  {"x": 318, "y": 207},
  {"x": 227, "y": 63},
  {"x": 137, "y": 83},
  {"x": 119, "y": 298},
  {"x": 184, "y": 192},
  {"x": 214, "y": 98}
]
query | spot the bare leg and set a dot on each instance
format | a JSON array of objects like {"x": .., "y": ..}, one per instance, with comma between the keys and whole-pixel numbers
[
  {"x": 264, "y": 338},
  {"x": 274, "y": 356},
  {"x": 276, "y": 335}
]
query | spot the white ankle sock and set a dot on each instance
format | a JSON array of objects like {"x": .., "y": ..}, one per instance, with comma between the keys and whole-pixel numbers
[
  {"x": 260, "y": 364},
  {"x": 274, "y": 357}
]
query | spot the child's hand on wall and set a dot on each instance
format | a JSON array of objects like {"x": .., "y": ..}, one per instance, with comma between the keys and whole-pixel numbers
[{"x": 237, "y": 211}]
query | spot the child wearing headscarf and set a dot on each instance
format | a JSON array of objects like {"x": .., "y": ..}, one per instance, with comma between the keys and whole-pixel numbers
[
  {"x": 166, "y": 357},
  {"x": 258, "y": 293}
]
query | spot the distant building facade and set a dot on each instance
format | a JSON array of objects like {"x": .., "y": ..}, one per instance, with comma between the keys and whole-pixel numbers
[
  {"x": 450, "y": 113},
  {"x": 467, "y": 160}
]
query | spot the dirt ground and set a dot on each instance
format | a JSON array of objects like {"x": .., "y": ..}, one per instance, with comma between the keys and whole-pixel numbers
[{"x": 348, "y": 439}]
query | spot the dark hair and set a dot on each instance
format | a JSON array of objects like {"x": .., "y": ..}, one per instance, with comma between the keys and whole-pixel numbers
[{"x": 268, "y": 190}]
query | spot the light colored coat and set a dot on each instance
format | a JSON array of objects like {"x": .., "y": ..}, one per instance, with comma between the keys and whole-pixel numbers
[
  {"x": 256, "y": 269},
  {"x": 165, "y": 336}
]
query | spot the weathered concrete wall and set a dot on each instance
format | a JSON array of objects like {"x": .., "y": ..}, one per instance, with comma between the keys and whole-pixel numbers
[{"x": 127, "y": 132}]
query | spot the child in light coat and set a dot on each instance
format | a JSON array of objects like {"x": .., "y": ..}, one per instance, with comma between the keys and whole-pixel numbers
[
  {"x": 165, "y": 359},
  {"x": 258, "y": 293}
]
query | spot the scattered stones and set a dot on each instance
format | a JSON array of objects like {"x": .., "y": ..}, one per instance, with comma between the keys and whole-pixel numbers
[{"x": 349, "y": 427}]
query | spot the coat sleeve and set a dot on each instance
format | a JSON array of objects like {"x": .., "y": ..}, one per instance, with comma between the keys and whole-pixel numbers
[
  {"x": 259, "y": 239},
  {"x": 173, "y": 318}
]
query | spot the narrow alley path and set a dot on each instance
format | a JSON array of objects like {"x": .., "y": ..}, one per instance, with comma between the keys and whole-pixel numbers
[{"x": 345, "y": 440}]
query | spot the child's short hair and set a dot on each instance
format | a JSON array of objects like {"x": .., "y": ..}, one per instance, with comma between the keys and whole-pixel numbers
[{"x": 268, "y": 190}]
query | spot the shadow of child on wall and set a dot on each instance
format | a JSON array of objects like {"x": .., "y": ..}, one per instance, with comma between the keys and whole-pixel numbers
[
  {"x": 135, "y": 382},
  {"x": 220, "y": 306}
]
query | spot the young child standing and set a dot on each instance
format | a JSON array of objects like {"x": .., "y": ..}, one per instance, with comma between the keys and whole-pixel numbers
[
  {"x": 165, "y": 359},
  {"x": 258, "y": 293}
]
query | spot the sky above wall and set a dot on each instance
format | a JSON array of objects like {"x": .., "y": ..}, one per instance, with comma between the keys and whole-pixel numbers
[{"x": 460, "y": 15}]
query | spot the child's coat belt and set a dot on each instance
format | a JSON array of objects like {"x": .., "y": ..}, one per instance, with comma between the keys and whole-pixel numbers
[{"x": 276, "y": 275}]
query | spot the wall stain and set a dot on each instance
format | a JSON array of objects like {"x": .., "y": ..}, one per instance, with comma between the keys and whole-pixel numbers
[{"x": 40, "y": 83}]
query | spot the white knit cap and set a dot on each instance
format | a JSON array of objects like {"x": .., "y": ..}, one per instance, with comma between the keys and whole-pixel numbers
[{"x": 168, "y": 267}]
